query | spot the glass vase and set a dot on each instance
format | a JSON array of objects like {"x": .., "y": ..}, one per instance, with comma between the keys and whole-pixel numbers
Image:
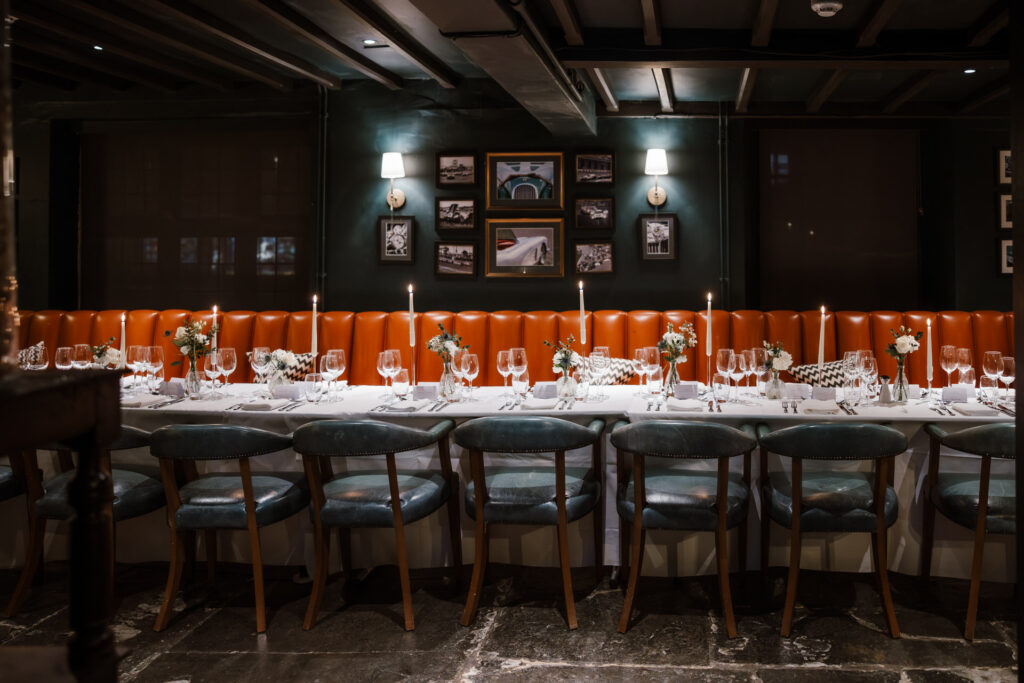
[
  {"x": 672, "y": 379},
  {"x": 775, "y": 387},
  {"x": 900, "y": 391},
  {"x": 565, "y": 386},
  {"x": 448, "y": 384},
  {"x": 193, "y": 385}
]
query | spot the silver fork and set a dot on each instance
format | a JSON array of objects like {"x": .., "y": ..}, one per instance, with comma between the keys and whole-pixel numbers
[{"x": 785, "y": 406}]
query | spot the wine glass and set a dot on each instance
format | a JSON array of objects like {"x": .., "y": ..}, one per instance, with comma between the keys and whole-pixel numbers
[
  {"x": 156, "y": 360},
  {"x": 62, "y": 358},
  {"x": 517, "y": 359},
  {"x": 761, "y": 370},
  {"x": 132, "y": 361},
  {"x": 313, "y": 387},
  {"x": 600, "y": 359},
  {"x": 652, "y": 361},
  {"x": 342, "y": 362},
  {"x": 227, "y": 361},
  {"x": 639, "y": 367},
  {"x": 967, "y": 378},
  {"x": 655, "y": 381},
  {"x": 520, "y": 383},
  {"x": 81, "y": 356},
  {"x": 992, "y": 365},
  {"x": 725, "y": 361},
  {"x": 869, "y": 373},
  {"x": 209, "y": 367},
  {"x": 330, "y": 370},
  {"x": 400, "y": 384},
  {"x": 964, "y": 359},
  {"x": 504, "y": 369},
  {"x": 259, "y": 359},
  {"x": 470, "y": 369},
  {"x": 988, "y": 388},
  {"x": 382, "y": 372},
  {"x": 1009, "y": 373},
  {"x": 749, "y": 369},
  {"x": 392, "y": 364},
  {"x": 739, "y": 369},
  {"x": 948, "y": 362}
]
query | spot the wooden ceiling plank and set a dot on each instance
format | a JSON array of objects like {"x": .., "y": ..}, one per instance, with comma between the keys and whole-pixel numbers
[
  {"x": 652, "y": 21},
  {"x": 910, "y": 89},
  {"x": 983, "y": 96},
  {"x": 663, "y": 79},
  {"x": 83, "y": 59},
  {"x": 129, "y": 20},
  {"x": 884, "y": 11},
  {"x": 67, "y": 28},
  {"x": 747, "y": 81},
  {"x": 29, "y": 74},
  {"x": 825, "y": 90},
  {"x": 787, "y": 111},
  {"x": 604, "y": 89},
  {"x": 309, "y": 31},
  {"x": 569, "y": 18},
  {"x": 403, "y": 43},
  {"x": 24, "y": 58},
  {"x": 991, "y": 22},
  {"x": 762, "y": 32},
  {"x": 214, "y": 26},
  {"x": 739, "y": 59}
]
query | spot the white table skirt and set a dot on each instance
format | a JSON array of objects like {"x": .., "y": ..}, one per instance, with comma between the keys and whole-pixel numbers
[{"x": 667, "y": 553}]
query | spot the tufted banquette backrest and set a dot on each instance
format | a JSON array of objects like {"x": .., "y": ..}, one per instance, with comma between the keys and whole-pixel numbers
[{"x": 363, "y": 335}]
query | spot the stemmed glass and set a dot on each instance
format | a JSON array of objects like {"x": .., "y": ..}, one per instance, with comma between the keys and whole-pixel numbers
[
  {"x": 992, "y": 365},
  {"x": 652, "y": 362},
  {"x": 761, "y": 370},
  {"x": 504, "y": 369},
  {"x": 392, "y": 364},
  {"x": 382, "y": 371},
  {"x": 520, "y": 383},
  {"x": 330, "y": 371},
  {"x": 470, "y": 370},
  {"x": 1009, "y": 373},
  {"x": 260, "y": 360},
  {"x": 135, "y": 354},
  {"x": 964, "y": 359},
  {"x": 517, "y": 360},
  {"x": 640, "y": 367},
  {"x": 227, "y": 361},
  {"x": 739, "y": 370},
  {"x": 947, "y": 361},
  {"x": 156, "y": 366},
  {"x": 62, "y": 358},
  {"x": 600, "y": 359},
  {"x": 725, "y": 362},
  {"x": 655, "y": 381},
  {"x": 869, "y": 373},
  {"x": 749, "y": 367},
  {"x": 211, "y": 369},
  {"x": 81, "y": 356}
]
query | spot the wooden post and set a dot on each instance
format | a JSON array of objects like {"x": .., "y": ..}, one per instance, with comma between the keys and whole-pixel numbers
[{"x": 9, "y": 318}]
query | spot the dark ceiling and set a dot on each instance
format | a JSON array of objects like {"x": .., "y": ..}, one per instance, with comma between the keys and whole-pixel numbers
[{"x": 564, "y": 60}]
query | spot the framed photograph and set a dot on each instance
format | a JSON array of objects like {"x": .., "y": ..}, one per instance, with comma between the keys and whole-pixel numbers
[
  {"x": 524, "y": 247},
  {"x": 395, "y": 239},
  {"x": 1006, "y": 211},
  {"x": 455, "y": 214},
  {"x": 456, "y": 169},
  {"x": 455, "y": 259},
  {"x": 1004, "y": 167},
  {"x": 595, "y": 214},
  {"x": 597, "y": 168},
  {"x": 658, "y": 236},
  {"x": 1006, "y": 257},
  {"x": 594, "y": 257},
  {"x": 524, "y": 180}
]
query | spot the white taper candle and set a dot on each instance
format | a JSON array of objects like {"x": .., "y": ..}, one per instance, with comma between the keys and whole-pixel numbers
[
  {"x": 123, "y": 359},
  {"x": 312, "y": 344},
  {"x": 412, "y": 320},
  {"x": 583, "y": 319},
  {"x": 928, "y": 374},
  {"x": 821, "y": 346},
  {"x": 707, "y": 345},
  {"x": 213, "y": 325}
]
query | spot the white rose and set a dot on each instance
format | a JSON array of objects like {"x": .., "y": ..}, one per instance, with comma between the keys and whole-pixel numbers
[
  {"x": 906, "y": 344},
  {"x": 179, "y": 334},
  {"x": 782, "y": 361},
  {"x": 201, "y": 338},
  {"x": 451, "y": 347},
  {"x": 112, "y": 356},
  {"x": 186, "y": 350}
]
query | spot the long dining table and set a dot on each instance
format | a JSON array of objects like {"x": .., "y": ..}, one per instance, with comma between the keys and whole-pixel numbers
[{"x": 667, "y": 553}]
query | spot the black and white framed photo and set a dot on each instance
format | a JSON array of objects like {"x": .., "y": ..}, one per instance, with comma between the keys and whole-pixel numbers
[
  {"x": 595, "y": 168},
  {"x": 455, "y": 259},
  {"x": 455, "y": 214},
  {"x": 1004, "y": 167},
  {"x": 395, "y": 239},
  {"x": 524, "y": 180},
  {"x": 595, "y": 214},
  {"x": 594, "y": 257},
  {"x": 1006, "y": 211},
  {"x": 658, "y": 236},
  {"x": 456, "y": 169},
  {"x": 524, "y": 247},
  {"x": 1006, "y": 257}
]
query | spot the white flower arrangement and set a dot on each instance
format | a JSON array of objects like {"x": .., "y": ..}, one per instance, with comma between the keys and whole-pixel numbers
[
  {"x": 674, "y": 343},
  {"x": 445, "y": 345},
  {"x": 191, "y": 340},
  {"x": 779, "y": 358},
  {"x": 105, "y": 354},
  {"x": 565, "y": 358},
  {"x": 280, "y": 361},
  {"x": 904, "y": 342}
]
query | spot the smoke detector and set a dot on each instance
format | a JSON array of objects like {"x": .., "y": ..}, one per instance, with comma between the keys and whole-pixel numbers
[{"x": 826, "y": 8}]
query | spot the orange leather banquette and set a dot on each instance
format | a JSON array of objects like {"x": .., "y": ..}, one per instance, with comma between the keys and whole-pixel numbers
[{"x": 362, "y": 335}]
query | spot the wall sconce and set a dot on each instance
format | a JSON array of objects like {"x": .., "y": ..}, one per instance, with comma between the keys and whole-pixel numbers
[
  {"x": 391, "y": 167},
  {"x": 657, "y": 165}
]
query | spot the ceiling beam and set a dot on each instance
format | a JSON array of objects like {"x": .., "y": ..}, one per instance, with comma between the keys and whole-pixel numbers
[
  {"x": 910, "y": 89},
  {"x": 604, "y": 89},
  {"x": 747, "y": 81},
  {"x": 994, "y": 20},
  {"x": 64, "y": 71},
  {"x": 129, "y": 20},
  {"x": 569, "y": 18},
  {"x": 825, "y": 90},
  {"x": 980, "y": 98},
  {"x": 403, "y": 43},
  {"x": 65, "y": 27},
  {"x": 652, "y": 21},
  {"x": 788, "y": 110},
  {"x": 211, "y": 25},
  {"x": 663, "y": 79},
  {"x": 874, "y": 25},
  {"x": 309, "y": 31},
  {"x": 23, "y": 73},
  {"x": 762, "y": 32}
]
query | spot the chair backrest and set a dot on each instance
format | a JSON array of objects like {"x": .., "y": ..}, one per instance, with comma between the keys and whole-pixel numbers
[
  {"x": 994, "y": 440},
  {"x": 836, "y": 441},
  {"x": 215, "y": 442},
  {"x": 525, "y": 434},
  {"x": 345, "y": 438},
  {"x": 131, "y": 437},
  {"x": 682, "y": 439}
]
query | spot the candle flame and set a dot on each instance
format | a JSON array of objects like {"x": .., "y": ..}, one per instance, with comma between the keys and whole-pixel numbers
[
  {"x": 410, "y": 289},
  {"x": 314, "y": 298},
  {"x": 581, "y": 284},
  {"x": 823, "y": 310},
  {"x": 709, "y": 296},
  {"x": 122, "y": 317},
  {"x": 929, "y": 321},
  {"x": 215, "y": 309}
]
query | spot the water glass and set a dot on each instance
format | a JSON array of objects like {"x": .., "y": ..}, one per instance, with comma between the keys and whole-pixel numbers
[
  {"x": 720, "y": 387},
  {"x": 63, "y": 357},
  {"x": 988, "y": 388},
  {"x": 869, "y": 375},
  {"x": 655, "y": 380},
  {"x": 313, "y": 387},
  {"x": 1009, "y": 373},
  {"x": 964, "y": 359},
  {"x": 520, "y": 384},
  {"x": 81, "y": 356},
  {"x": 966, "y": 377},
  {"x": 400, "y": 384}
]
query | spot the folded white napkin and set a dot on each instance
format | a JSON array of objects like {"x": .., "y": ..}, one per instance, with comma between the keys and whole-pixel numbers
[
  {"x": 684, "y": 404},
  {"x": 409, "y": 406},
  {"x": 973, "y": 409},
  {"x": 265, "y": 404},
  {"x": 957, "y": 393},
  {"x": 141, "y": 401},
  {"x": 174, "y": 387},
  {"x": 822, "y": 407},
  {"x": 797, "y": 390},
  {"x": 545, "y": 390},
  {"x": 539, "y": 403},
  {"x": 684, "y": 390}
]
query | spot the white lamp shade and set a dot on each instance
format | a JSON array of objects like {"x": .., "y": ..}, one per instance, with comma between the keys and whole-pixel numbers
[
  {"x": 657, "y": 163},
  {"x": 391, "y": 165}
]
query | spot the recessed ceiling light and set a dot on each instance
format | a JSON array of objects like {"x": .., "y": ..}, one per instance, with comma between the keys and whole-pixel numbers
[
  {"x": 970, "y": 71},
  {"x": 97, "y": 47},
  {"x": 369, "y": 41}
]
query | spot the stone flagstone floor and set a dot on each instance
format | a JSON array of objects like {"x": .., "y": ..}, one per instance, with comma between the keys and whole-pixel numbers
[{"x": 520, "y": 633}]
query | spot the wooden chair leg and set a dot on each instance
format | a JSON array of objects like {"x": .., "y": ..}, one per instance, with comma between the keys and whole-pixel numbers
[
  {"x": 257, "y": 576},
  {"x": 479, "y": 567},
  {"x": 455, "y": 529},
  {"x": 635, "y": 566},
  {"x": 599, "y": 540},
  {"x": 766, "y": 537},
  {"x": 316, "y": 597},
  {"x": 928, "y": 519},
  {"x": 791, "y": 581},
  {"x": 190, "y": 556},
  {"x": 174, "y": 569},
  {"x": 972, "y": 597},
  {"x": 345, "y": 552},
  {"x": 563, "y": 560},
  {"x": 624, "y": 547},
  {"x": 722, "y": 553},
  {"x": 882, "y": 569},
  {"x": 33, "y": 555},
  {"x": 399, "y": 524},
  {"x": 210, "y": 541}
]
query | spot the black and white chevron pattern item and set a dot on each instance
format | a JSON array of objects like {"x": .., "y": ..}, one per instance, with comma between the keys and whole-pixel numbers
[
  {"x": 305, "y": 363},
  {"x": 30, "y": 355},
  {"x": 619, "y": 371},
  {"x": 831, "y": 374}
]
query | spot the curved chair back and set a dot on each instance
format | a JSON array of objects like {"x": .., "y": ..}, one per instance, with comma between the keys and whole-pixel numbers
[
  {"x": 215, "y": 442},
  {"x": 347, "y": 438},
  {"x": 131, "y": 437},
  {"x": 525, "y": 434},
  {"x": 682, "y": 439},
  {"x": 993, "y": 440},
  {"x": 836, "y": 441}
]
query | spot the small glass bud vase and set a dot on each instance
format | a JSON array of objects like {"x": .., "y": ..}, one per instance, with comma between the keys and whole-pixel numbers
[
  {"x": 900, "y": 391},
  {"x": 193, "y": 385},
  {"x": 774, "y": 388},
  {"x": 448, "y": 384},
  {"x": 673, "y": 378},
  {"x": 566, "y": 385}
]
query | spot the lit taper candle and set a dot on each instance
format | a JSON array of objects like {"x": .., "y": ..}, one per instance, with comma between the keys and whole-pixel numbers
[
  {"x": 412, "y": 319},
  {"x": 928, "y": 372},
  {"x": 707, "y": 346},
  {"x": 312, "y": 344},
  {"x": 583, "y": 319},
  {"x": 121, "y": 360},
  {"x": 213, "y": 325},
  {"x": 821, "y": 346}
]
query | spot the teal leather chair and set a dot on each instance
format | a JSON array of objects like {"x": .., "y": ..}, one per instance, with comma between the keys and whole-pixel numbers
[
  {"x": 683, "y": 499},
  {"x": 537, "y": 494},
  {"x": 137, "y": 491},
  {"x": 374, "y": 498},
  {"x": 216, "y": 501},
  {"x": 831, "y": 501},
  {"x": 984, "y": 503}
]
